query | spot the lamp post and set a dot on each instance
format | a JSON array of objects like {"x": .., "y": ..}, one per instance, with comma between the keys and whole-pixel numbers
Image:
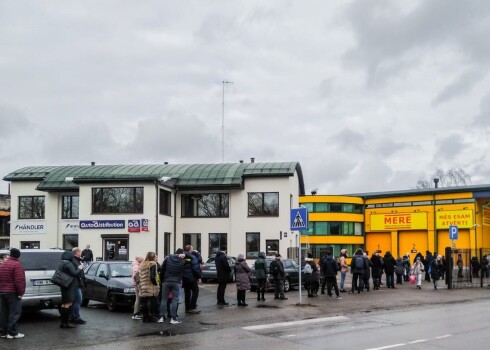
[{"x": 223, "y": 122}]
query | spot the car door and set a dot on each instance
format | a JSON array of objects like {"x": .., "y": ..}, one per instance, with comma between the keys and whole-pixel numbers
[
  {"x": 292, "y": 271},
  {"x": 100, "y": 282},
  {"x": 88, "y": 292}
]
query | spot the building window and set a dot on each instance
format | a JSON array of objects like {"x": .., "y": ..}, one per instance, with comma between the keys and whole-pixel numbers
[
  {"x": 193, "y": 239},
  {"x": 333, "y": 228},
  {"x": 115, "y": 200},
  {"x": 205, "y": 205},
  {"x": 216, "y": 241},
  {"x": 166, "y": 243},
  {"x": 252, "y": 245},
  {"x": 30, "y": 245},
  {"x": 271, "y": 247},
  {"x": 263, "y": 204},
  {"x": 70, "y": 242},
  {"x": 165, "y": 202},
  {"x": 31, "y": 207},
  {"x": 70, "y": 207},
  {"x": 333, "y": 207}
]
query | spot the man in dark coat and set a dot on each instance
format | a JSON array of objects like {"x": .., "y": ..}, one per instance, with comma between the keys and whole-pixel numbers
[
  {"x": 87, "y": 255},
  {"x": 357, "y": 270},
  {"x": 389, "y": 267},
  {"x": 192, "y": 275},
  {"x": 276, "y": 268},
  {"x": 329, "y": 269},
  {"x": 223, "y": 271},
  {"x": 12, "y": 288},
  {"x": 171, "y": 274},
  {"x": 75, "y": 311}
]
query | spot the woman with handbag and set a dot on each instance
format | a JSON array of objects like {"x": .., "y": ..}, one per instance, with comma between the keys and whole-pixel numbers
[
  {"x": 261, "y": 275},
  {"x": 68, "y": 293}
]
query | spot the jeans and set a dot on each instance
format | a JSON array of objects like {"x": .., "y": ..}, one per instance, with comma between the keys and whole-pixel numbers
[
  {"x": 278, "y": 288},
  {"x": 390, "y": 280},
  {"x": 11, "y": 309},
  {"x": 191, "y": 290},
  {"x": 356, "y": 282},
  {"x": 75, "y": 312},
  {"x": 342, "y": 279},
  {"x": 174, "y": 288}
]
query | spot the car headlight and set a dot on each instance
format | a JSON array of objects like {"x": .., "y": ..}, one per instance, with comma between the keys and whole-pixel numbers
[{"x": 129, "y": 290}]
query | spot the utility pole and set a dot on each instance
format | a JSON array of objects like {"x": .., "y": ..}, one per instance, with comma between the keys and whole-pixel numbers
[{"x": 223, "y": 122}]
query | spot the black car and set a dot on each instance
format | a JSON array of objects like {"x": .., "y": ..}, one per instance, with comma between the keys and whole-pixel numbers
[
  {"x": 291, "y": 269},
  {"x": 209, "y": 270},
  {"x": 109, "y": 282}
]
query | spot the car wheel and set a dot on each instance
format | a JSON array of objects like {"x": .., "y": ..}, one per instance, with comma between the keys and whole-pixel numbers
[
  {"x": 287, "y": 286},
  {"x": 84, "y": 302},
  {"x": 111, "y": 302}
]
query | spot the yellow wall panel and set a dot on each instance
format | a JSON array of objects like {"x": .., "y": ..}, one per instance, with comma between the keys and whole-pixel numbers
[
  {"x": 463, "y": 241},
  {"x": 332, "y": 239},
  {"x": 378, "y": 241},
  {"x": 412, "y": 240},
  {"x": 330, "y": 199}
]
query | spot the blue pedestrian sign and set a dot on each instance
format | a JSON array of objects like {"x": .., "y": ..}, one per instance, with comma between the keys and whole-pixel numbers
[
  {"x": 453, "y": 232},
  {"x": 299, "y": 219}
]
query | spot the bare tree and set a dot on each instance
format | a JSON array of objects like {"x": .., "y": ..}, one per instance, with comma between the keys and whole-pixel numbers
[{"x": 451, "y": 178}]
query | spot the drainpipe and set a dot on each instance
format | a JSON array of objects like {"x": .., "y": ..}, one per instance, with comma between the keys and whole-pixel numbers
[
  {"x": 156, "y": 216},
  {"x": 175, "y": 219}
]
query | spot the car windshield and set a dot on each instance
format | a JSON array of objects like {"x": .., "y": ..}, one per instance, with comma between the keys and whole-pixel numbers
[
  {"x": 121, "y": 270},
  {"x": 35, "y": 261},
  {"x": 210, "y": 261}
]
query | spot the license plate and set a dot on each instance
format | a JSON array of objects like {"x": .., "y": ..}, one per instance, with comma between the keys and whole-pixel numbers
[{"x": 42, "y": 283}]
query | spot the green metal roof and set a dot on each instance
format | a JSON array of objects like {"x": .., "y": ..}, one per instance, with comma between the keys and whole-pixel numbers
[{"x": 228, "y": 175}]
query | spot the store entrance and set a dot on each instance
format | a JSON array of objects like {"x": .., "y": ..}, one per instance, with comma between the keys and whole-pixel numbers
[{"x": 116, "y": 249}]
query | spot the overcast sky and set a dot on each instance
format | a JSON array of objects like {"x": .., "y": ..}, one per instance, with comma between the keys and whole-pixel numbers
[{"x": 366, "y": 95}]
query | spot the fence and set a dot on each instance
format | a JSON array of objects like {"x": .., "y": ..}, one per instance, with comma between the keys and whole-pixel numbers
[{"x": 467, "y": 268}]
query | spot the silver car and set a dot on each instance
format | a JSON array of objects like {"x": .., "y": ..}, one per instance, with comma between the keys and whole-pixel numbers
[{"x": 40, "y": 265}]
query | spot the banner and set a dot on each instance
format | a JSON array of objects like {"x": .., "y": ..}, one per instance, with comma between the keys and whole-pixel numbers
[
  {"x": 398, "y": 221},
  {"x": 28, "y": 227},
  {"x": 460, "y": 218},
  {"x": 145, "y": 226},
  {"x": 102, "y": 224},
  {"x": 134, "y": 226},
  {"x": 486, "y": 215}
]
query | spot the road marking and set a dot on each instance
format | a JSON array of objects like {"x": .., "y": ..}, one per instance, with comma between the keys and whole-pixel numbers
[
  {"x": 295, "y": 323},
  {"x": 388, "y": 346},
  {"x": 412, "y": 342}
]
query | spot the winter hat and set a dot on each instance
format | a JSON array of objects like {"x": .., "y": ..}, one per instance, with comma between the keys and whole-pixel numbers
[
  {"x": 439, "y": 257},
  {"x": 14, "y": 253},
  {"x": 418, "y": 258},
  {"x": 262, "y": 255},
  {"x": 240, "y": 256},
  {"x": 179, "y": 251}
]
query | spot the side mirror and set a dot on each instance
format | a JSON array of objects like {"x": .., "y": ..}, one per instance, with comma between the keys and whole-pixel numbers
[{"x": 103, "y": 275}]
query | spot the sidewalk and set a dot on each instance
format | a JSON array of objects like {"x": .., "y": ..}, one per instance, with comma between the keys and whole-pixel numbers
[{"x": 271, "y": 310}]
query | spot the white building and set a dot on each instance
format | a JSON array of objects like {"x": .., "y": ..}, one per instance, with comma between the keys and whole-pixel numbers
[{"x": 127, "y": 210}]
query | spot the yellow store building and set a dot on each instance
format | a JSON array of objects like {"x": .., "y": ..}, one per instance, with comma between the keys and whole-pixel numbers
[{"x": 402, "y": 222}]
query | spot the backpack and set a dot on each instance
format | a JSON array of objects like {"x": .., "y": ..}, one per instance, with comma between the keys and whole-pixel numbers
[
  {"x": 274, "y": 268},
  {"x": 359, "y": 262},
  {"x": 308, "y": 269}
]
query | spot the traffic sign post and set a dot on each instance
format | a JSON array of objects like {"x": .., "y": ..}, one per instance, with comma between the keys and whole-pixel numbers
[
  {"x": 299, "y": 222},
  {"x": 453, "y": 234}
]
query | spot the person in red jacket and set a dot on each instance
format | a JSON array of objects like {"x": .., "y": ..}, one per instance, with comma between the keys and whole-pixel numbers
[{"x": 12, "y": 288}]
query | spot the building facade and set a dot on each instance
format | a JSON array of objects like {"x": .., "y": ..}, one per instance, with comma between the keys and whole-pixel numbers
[
  {"x": 126, "y": 210},
  {"x": 401, "y": 222},
  {"x": 4, "y": 220}
]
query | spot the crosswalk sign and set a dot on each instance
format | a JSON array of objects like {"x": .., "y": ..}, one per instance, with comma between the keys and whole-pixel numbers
[{"x": 299, "y": 219}]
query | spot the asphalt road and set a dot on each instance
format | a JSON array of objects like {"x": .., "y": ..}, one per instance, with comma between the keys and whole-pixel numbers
[{"x": 358, "y": 321}]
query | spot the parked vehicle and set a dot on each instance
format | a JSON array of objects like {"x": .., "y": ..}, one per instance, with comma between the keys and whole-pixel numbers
[
  {"x": 109, "y": 282},
  {"x": 209, "y": 270},
  {"x": 39, "y": 266},
  {"x": 291, "y": 269}
]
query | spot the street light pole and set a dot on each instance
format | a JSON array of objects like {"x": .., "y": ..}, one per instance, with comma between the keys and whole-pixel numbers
[{"x": 223, "y": 122}]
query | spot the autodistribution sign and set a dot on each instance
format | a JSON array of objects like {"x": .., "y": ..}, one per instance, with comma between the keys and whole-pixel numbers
[{"x": 101, "y": 224}]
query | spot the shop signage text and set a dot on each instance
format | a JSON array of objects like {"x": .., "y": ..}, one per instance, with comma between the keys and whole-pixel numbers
[
  {"x": 486, "y": 215},
  {"x": 398, "y": 221},
  {"x": 102, "y": 224},
  {"x": 460, "y": 218},
  {"x": 28, "y": 227},
  {"x": 138, "y": 225}
]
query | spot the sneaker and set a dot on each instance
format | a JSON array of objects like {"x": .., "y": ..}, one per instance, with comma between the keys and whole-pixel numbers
[
  {"x": 339, "y": 297},
  {"x": 136, "y": 317},
  {"x": 79, "y": 321},
  {"x": 194, "y": 311},
  {"x": 175, "y": 321},
  {"x": 330, "y": 297},
  {"x": 161, "y": 320},
  {"x": 3, "y": 335},
  {"x": 17, "y": 336}
]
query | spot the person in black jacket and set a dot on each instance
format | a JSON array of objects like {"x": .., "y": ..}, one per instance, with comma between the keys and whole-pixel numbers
[
  {"x": 171, "y": 275},
  {"x": 223, "y": 271},
  {"x": 329, "y": 269},
  {"x": 357, "y": 265},
  {"x": 68, "y": 293},
  {"x": 192, "y": 275},
  {"x": 376, "y": 270},
  {"x": 75, "y": 312},
  {"x": 276, "y": 269},
  {"x": 389, "y": 267}
]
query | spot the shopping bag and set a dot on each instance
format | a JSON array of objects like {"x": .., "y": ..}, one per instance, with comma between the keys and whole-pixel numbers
[
  {"x": 267, "y": 283},
  {"x": 62, "y": 279},
  {"x": 411, "y": 279}
]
